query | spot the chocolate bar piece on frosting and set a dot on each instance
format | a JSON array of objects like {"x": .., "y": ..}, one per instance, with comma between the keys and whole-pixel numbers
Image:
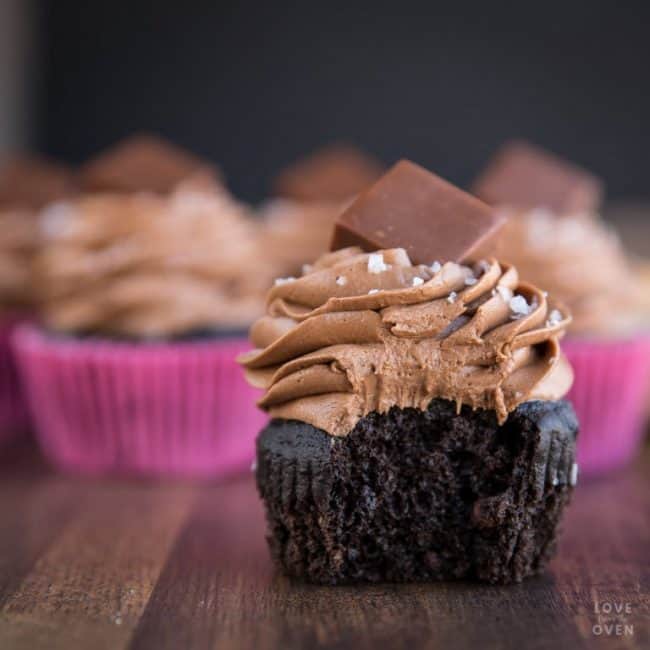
[
  {"x": 334, "y": 173},
  {"x": 144, "y": 163},
  {"x": 414, "y": 209},
  {"x": 30, "y": 182},
  {"x": 521, "y": 175}
]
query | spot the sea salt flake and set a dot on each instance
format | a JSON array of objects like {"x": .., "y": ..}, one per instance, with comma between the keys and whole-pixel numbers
[
  {"x": 435, "y": 267},
  {"x": 280, "y": 281},
  {"x": 57, "y": 220},
  {"x": 417, "y": 282},
  {"x": 504, "y": 292},
  {"x": 519, "y": 307},
  {"x": 341, "y": 280},
  {"x": 451, "y": 298},
  {"x": 372, "y": 291},
  {"x": 470, "y": 280},
  {"x": 554, "y": 318},
  {"x": 376, "y": 263},
  {"x": 573, "y": 477}
]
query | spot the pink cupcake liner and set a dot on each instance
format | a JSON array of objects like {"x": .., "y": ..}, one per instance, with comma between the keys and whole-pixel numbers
[
  {"x": 14, "y": 419},
  {"x": 608, "y": 394},
  {"x": 180, "y": 408}
]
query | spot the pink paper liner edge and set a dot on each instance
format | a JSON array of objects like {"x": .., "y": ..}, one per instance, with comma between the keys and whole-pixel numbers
[
  {"x": 14, "y": 417},
  {"x": 145, "y": 409},
  {"x": 608, "y": 395}
]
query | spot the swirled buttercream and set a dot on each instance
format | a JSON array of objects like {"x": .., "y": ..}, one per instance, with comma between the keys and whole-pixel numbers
[
  {"x": 26, "y": 185},
  {"x": 364, "y": 332},
  {"x": 579, "y": 261},
  {"x": 142, "y": 265}
]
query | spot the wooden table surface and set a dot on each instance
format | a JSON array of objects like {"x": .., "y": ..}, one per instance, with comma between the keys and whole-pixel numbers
[
  {"x": 127, "y": 564},
  {"x": 124, "y": 564}
]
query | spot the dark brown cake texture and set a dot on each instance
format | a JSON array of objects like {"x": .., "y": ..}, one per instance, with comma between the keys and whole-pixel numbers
[{"x": 416, "y": 495}]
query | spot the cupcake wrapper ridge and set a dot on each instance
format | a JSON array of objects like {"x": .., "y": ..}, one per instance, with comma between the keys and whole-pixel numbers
[
  {"x": 608, "y": 394},
  {"x": 145, "y": 409}
]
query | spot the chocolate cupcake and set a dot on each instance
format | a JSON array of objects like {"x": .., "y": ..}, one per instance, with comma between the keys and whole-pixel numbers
[
  {"x": 418, "y": 428},
  {"x": 26, "y": 185},
  {"x": 145, "y": 299},
  {"x": 557, "y": 239}
]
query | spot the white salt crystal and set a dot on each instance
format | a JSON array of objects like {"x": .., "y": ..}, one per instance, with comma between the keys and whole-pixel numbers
[
  {"x": 519, "y": 306},
  {"x": 281, "y": 281},
  {"x": 376, "y": 263}
]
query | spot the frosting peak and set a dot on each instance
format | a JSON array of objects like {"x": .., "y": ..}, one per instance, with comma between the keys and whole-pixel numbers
[
  {"x": 148, "y": 266},
  {"x": 364, "y": 332},
  {"x": 579, "y": 260}
]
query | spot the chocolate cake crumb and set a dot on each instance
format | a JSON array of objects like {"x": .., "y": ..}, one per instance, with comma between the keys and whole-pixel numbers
[{"x": 416, "y": 495}]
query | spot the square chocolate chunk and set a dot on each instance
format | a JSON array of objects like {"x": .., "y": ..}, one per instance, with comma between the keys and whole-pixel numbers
[
  {"x": 31, "y": 182},
  {"x": 144, "y": 163},
  {"x": 414, "y": 209},
  {"x": 333, "y": 173},
  {"x": 521, "y": 175}
]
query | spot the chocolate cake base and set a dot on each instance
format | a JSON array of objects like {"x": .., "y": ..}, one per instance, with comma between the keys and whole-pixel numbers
[{"x": 416, "y": 495}]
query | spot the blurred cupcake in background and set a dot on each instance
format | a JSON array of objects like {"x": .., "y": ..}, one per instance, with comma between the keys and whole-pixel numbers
[
  {"x": 555, "y": 237},
  {"x": 26, "y": 184},
  {"x": 145, "y": 299},
  {"x": 309, "y": 195},
  {"x": 145, "y": 163}
]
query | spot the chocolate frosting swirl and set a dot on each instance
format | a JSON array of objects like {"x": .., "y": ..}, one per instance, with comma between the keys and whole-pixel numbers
[
  {"x": 580, "y": 261},
  {"x": 142, "y": 265},
  {"x": 18, "y": 245},
  {"x": 26, "y": 185},
  {"x": 364, "y": 332}
]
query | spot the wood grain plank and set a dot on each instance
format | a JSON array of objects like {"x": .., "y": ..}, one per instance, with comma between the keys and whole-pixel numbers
[
  {"x": 91, "y": 586},
  {"x": 121, "y": 564},
  {"x": 35, "y": 505},
  {"x": 219, "y": 591},
  {"x": 604, "y": 559},
  {"x": 218, "y": 561}
]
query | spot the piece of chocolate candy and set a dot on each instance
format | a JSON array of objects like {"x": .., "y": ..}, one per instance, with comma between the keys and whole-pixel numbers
[
  {"x": 30, "y": 182},
  {"x": 414, "y": 209},
  {"x": 144, "y": 163},
  {"x": 521, "y": 175},
  {"x": 334, "y": 173}
]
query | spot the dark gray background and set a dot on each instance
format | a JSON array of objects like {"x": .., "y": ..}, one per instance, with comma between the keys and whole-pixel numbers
[{"x": 254, "y": 85}]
